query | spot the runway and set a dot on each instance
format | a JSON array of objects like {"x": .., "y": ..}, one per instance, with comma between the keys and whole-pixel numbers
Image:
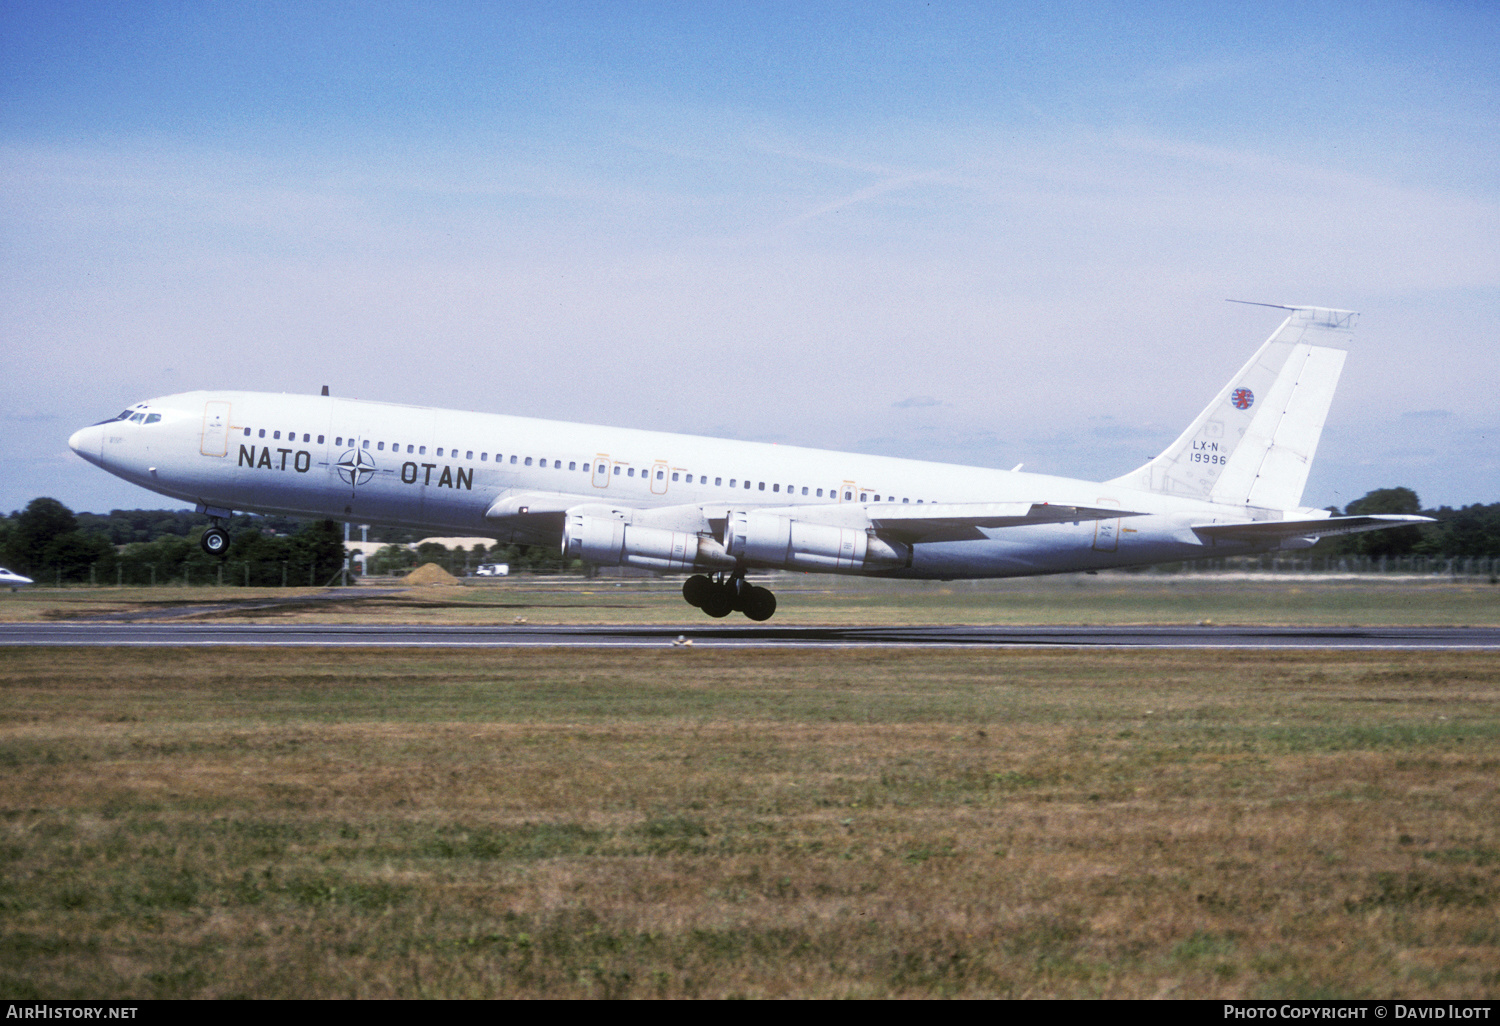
[{"x": 171, "y": 635}]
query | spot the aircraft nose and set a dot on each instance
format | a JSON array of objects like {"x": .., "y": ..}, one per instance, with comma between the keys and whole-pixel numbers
[{"x": 89, "y": 443}]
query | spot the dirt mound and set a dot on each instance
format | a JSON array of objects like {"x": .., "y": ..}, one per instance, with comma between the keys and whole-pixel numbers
[{"x": 430, "y": 573}]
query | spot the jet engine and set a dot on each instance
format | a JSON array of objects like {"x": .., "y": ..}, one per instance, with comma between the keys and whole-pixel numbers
[
  {"x": 770, "y": 539},
  {"x": 609, "y": 542}
]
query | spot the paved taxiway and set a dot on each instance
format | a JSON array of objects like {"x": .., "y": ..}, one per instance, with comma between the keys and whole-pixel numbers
[{"x": 167, "y": 635}]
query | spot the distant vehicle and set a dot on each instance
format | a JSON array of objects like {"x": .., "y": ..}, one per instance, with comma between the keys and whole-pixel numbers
[
  {"x": 493, "y": 570},
  {"x": 12, "y": 579}
]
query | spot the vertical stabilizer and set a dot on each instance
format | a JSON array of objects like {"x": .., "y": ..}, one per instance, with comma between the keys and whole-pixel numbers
[{"x": 1254, "y": 444}]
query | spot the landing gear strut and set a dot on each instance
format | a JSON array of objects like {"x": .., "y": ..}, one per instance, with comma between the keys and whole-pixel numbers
[{"x": 729, "y": 594}]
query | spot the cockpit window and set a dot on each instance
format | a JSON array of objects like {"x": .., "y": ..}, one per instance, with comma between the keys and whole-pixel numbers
[
  {"x": 137, "y": 418},
  {"x": 152, "y": 418},
  {"x": 124, "y": 415}
]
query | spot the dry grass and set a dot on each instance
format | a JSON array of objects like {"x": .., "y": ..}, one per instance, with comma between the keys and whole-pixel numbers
[
  {"x": 810, "y": 599},
  {"x": 694, "y": 823}
]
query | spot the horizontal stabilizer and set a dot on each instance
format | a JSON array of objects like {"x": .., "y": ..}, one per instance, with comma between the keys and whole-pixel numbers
[{"x": 1324, "y": 527}]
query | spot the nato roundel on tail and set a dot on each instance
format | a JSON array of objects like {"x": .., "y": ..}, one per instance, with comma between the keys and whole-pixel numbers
[{"x": 1254, "y": 444}]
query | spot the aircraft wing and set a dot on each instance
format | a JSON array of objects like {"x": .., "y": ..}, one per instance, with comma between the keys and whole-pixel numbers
[
  {"x": 524, "y": 504},
  {"x": 958, "y": 521},
  {"x": 1269, "y": 530},
  {"x": 530, "y": 517}
]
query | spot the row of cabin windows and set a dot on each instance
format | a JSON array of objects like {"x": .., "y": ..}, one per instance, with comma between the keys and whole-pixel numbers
[
  {"x": 291, "y": 436},
  {"x": 421, "y": 450}
]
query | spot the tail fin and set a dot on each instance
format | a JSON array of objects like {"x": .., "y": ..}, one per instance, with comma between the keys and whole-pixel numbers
[{"x": 1254, "y": 444}]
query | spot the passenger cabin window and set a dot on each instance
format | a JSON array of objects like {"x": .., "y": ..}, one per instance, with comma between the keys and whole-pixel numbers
[
  {"x": 247, "y": 432},
  {"x": 320, "y": 439},
  {"x": 804, "y": 489},
  {"x": 512, "y": 459},
  {"x": 469, "y": 455},
  {"x": 365, "y": 444},
  {"x": 440, "y": 450},
  {"x": 380, "y": 446},
  {"x": 617, "y": 472},
  {"x": 762, "y": 485},
  {"x": 262, "y": 432},
  {"x": 572, "y": 464},
  {"x": 719, "y": 481},
  {"x": 774, "y": 487},
  {"x": 630, "y": 472}
]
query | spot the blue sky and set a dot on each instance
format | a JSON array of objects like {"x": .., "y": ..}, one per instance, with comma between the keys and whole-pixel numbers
[{"x": 982, "y": 233}]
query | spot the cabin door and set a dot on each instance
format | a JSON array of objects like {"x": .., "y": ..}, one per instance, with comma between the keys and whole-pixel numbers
[{"x": 215, "y": 429}]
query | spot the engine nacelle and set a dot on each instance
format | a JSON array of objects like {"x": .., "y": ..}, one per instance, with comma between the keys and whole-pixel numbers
[
  {"x": 609, "y": 542},
  {"x": 774, "y": 540}
]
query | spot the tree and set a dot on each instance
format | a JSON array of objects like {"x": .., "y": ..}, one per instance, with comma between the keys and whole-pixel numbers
[
  {"x": 42, "y": 521},
  {"x": 318, "y": 548},
  {"x": 1394, "y": 541},
  {"x": 390, "y": 559}
]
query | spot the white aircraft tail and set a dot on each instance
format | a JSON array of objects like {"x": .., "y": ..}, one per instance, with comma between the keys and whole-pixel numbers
[{"x": 1254, "y": 444}]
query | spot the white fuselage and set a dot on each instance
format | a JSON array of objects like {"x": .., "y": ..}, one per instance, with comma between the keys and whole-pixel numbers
[{"x": 444, "y": 470}]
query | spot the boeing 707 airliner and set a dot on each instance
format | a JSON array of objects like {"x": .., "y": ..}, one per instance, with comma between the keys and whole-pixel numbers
[{"x": 1230, "y": 485}]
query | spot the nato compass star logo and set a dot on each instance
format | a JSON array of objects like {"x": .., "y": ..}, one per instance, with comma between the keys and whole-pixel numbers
[{"x": 356, "y": 467}]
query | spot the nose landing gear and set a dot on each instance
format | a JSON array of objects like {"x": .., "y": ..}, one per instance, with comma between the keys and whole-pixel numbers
[
  {"x": 215, "y": 541},
  {"x": 729, "y": 595}
]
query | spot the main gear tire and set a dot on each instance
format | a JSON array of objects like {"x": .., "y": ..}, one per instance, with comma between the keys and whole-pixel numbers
[
  {"x": 759, "y": 604},
  {"x": 696, "y": 589},
  {"x": 719, "y": 602}
]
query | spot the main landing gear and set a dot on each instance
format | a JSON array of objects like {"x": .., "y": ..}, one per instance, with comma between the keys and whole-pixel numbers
[{"x": 730, "y": 593}]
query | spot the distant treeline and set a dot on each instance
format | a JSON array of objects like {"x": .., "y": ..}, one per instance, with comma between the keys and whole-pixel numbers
[
  {"x": 52, "y": 544},
  {"x": 49, "y": 542},
  {"x": 1472, "y": 532}
]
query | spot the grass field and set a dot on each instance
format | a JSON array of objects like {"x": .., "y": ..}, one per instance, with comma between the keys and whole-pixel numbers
[
  {"x": 308, "y": 823},
  {"x": 1372, "y": 600}
]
